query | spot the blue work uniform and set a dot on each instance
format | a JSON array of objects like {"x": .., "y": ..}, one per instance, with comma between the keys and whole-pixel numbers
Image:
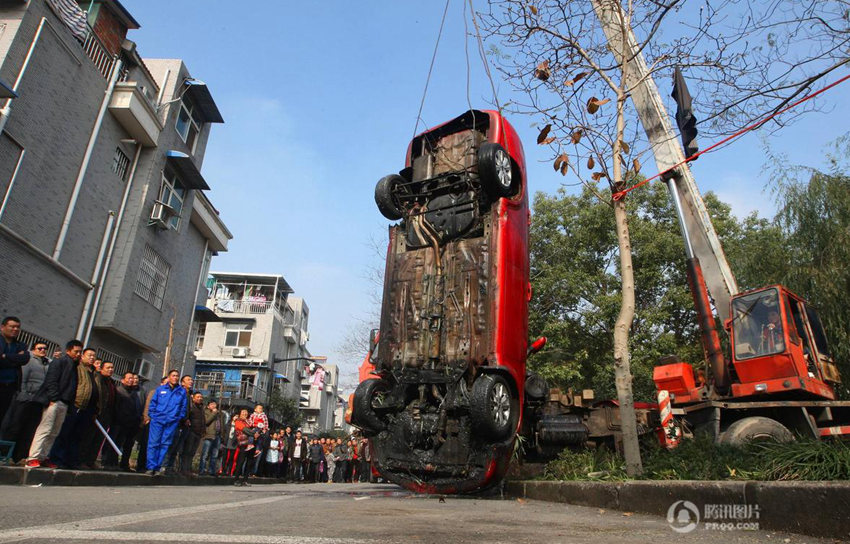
[{"x": 167, "y": 408}]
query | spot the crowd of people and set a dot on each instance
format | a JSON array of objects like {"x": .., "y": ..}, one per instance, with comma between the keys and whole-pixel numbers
[{"x": 71, "y": 412}]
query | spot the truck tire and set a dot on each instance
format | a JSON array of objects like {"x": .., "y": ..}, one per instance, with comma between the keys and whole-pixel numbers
[
  {"x": 492, "y": 408},
  {"x": 363, "y": 412},
  {"x": 496, "y": 170},
  {"x": 385, "y": 197},
  {"x": 755, "y": 429}
]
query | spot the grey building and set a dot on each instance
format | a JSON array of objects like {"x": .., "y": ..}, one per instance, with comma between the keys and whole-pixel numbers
[{"x": 105, "y": 232}]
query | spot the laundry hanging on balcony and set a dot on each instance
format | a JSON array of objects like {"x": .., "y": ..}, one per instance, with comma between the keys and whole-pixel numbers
[{"x": 74, "y": 18}]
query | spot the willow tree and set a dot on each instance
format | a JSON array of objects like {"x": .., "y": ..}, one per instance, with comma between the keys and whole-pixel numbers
[{"x": 577, "y": 76}]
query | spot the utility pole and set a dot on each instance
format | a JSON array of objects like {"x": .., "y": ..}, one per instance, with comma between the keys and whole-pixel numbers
[
  {"x": 665, "y": 147},
  {"x": 166, "y": 361}
]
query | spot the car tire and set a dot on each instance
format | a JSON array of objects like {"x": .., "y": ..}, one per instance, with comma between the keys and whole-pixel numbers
[
  {"x": 496, "y": 170},
  {"x": 492, "y": 408},
  {"x": 363, "y": 412},
  {"x": 385, "y": 196},
  {"x": 755, "y": 429}
]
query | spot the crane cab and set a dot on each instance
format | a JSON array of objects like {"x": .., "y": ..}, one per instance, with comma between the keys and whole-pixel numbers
[{"x": 779, "y": 346}]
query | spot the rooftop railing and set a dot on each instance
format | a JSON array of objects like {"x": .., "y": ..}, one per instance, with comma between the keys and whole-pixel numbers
[{"x": 97, "y": 52}]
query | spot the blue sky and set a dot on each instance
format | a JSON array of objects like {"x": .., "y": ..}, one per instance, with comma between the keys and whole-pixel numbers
[{"x": 320, "y": 100}]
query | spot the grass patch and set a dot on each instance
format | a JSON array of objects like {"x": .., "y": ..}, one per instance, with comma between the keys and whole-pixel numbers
[{"x": 701, "y": 459}]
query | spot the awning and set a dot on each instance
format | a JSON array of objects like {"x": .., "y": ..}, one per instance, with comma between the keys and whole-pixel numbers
[
  {"x": 279, "y": 376},
  {"x": 186, "y": 170},
  {"x": 204, "y": 102},
  {"x": 205, "y": 315},
  {"x": 6, "y": 91}
]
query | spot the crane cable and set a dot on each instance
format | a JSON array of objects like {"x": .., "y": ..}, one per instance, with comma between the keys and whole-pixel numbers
[
  {"x": 621, "y": 194},
  {"x": 483, "y": 56},
  {"x": 431, "y": 68},
  {"x": 481, "y": 53}
]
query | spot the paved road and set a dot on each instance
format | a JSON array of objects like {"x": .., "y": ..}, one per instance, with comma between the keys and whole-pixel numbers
[{"x": 319, "y": 514}]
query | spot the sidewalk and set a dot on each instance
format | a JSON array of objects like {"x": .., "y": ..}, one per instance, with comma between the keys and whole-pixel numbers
[
  {"x": 819, "y": 509},
  {"x": 43, "y": 476}
]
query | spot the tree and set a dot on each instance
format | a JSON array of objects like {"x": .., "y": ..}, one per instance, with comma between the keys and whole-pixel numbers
[
  {"x": 355, "y": 343},
  {"x": 284, "y": 410},
  {"x": 569, "y": 59},
  {"x": 814, "y": 213},
  {"x": 576, "y": 282}
]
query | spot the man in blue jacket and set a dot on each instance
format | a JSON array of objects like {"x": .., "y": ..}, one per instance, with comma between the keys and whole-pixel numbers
[{"x": 167, "y": 408}]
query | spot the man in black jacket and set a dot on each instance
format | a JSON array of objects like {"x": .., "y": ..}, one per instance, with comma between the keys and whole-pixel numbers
[
  {"x": 13, "y": 355},
  {"x": 126, "y": 422},
  {"x": 57, "y": 393},
  {"x": 194, "y": 432}
]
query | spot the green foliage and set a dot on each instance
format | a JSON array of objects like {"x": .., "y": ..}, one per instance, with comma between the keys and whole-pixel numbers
[
  {"x": 575, "y": 278},
  {"x": 814, "y": 212},
  {"x": 804, "y": 461},
  {"x": 284, "y": 410},
  {"x": 701, "y": 459}
]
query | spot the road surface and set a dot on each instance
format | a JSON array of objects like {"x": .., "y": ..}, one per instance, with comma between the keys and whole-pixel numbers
[{"x": 323, "y": 513}]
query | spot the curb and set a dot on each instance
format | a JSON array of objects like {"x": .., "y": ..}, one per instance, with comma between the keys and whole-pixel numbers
[
  {"x": 820, "y": 509},
  {"x": 94, "y": 478}
]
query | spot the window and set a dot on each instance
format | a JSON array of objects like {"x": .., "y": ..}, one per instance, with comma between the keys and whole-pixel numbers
[
  {"x": 199, "y": 339},
  {"x": 172, "y": 192},
  {"x": 120, "y": 164},
  {"x": 757, "y": 325},
  {"x": 189, "y": 123},
  {"x": 818, "y": 332},
  {"x": 153, "y": 276},
  {"x": 237, "y": 335}
]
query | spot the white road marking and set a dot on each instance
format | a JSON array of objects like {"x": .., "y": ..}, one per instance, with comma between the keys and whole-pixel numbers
[
  {"x": 112, "y": 536},
  {"x": 23, "y": 533},
  {"x": 361, "y": 498}
]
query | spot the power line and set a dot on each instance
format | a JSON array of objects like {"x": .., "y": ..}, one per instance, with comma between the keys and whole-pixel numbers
[{"x": 620, "y": 194}]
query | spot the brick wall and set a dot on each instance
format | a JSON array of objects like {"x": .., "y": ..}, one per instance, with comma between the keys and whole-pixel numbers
[{"x": 110, "y": 30}]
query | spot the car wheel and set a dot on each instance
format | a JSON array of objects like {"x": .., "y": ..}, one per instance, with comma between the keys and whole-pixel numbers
[
  {"x": 497, "y": 172},
  {"x": 385, "y": 196},
  {"x": 493, "y": 409},
  {"x": 755, "y": 429},
  {"x": 363, "y": 412}
]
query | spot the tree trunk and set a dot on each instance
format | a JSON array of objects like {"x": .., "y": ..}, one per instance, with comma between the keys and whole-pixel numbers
[{"x": 622, "y": 369}]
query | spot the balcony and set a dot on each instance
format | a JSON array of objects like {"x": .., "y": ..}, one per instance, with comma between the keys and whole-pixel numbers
[
  {"x": 252, "y": 307},
  {"x": 310, "y": 398},
  {"x": 136, "y": 113}
]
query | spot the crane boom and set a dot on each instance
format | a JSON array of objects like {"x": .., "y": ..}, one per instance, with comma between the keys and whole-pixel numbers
[{"x": 665, "y": 147}]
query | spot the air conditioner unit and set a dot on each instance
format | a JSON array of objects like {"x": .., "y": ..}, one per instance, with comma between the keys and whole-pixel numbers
[
  {"x": 145, "y": 369},
  {"x": 311, "y": 419},
  {"x": 161, "y": 215},
  {"x": 239, "y": 352}
]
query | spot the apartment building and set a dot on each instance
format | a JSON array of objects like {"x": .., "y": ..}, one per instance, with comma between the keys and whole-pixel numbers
[
  {"x": 106, "y": 233},
  {"x": 256, "y": 343}
]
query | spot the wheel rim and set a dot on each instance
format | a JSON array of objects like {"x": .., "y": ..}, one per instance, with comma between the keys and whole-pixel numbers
[
  {"x": 503, "y": 169},
  {"x": 501, "y": 403}
]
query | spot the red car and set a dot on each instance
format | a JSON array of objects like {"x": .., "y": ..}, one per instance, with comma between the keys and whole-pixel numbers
[{"x": 444, "y": 403}]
